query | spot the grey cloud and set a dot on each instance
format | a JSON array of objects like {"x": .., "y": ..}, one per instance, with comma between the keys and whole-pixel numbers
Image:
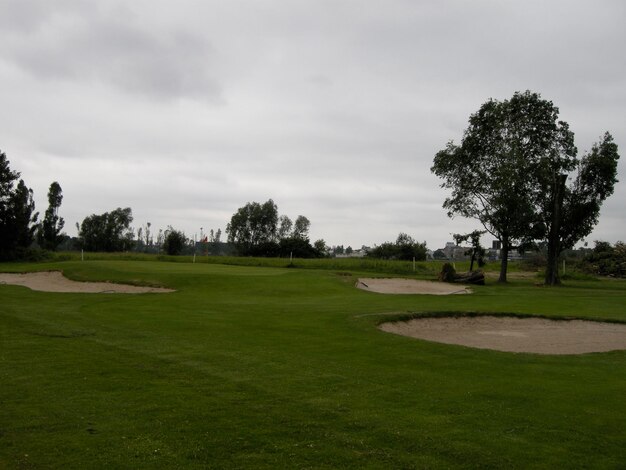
[
  {"x": 112, "y": 47},
  {"x": 334, "y": 108}
]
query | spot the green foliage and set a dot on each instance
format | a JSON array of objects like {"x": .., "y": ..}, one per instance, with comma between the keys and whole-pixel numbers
[
  {"x": 593, "y": 184},
  {"x": 488, "y": 173},
  {"x": 404, "y": 248},
  {"x": 253, "y": 227},
  {"x": 606, "y": 260},
  {"x": 447, "y": 273},
  {"x": 17, "y": 213},
  {"x": 24, "y": 215},
  {"x": 299, "y": 248},
  {"x": 321, "y": 247},
  {"x": 108, "y": 232},
  {"x": 301, "y": 228},
  {"x": 567, "y": 214},
  {"x": 476, "y": 251},
  {"x": 49, "y": 233},
  {"x": 257, "y": 230},
  {"x": 174, "y": 241}
]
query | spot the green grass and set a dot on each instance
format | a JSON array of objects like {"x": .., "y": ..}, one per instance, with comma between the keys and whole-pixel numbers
[{"x": 268, "y": 367}]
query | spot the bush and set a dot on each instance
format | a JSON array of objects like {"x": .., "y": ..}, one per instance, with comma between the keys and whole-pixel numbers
[
  {"x": 448, "y": 273},
  {"x": 606, "y": 260},
  {"x": 405, "y": 248},
  {"x": 174, "y": 242}
]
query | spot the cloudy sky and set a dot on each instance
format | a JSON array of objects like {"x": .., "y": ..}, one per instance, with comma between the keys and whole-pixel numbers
[{"x": 184, "y": 111}]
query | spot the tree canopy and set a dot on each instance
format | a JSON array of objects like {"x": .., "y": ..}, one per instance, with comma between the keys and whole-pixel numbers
[
  {"x": 257, "y": 230},
  {"x": 17, "y": 212},
  {"x": 492, "y": 174},
  {"x": 568, "y": 212},
  {"x": 49, "y": 232},
  {"x": 174, "y": 241},
  {"x": 108, "y": 232},
  {"x": 404, "y": 248},
  {"x": 253, "y": 226}
]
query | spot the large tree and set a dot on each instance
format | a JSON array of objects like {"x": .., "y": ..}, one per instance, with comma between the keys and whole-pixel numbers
[
  {"x": 257, "y": 230},
  {"x": 301, "y": 228},
  {"x": 49, "y": 234},
  {"x": 24, "y": 215},
  {"x": 108, "y": 232},
  {"x": 568, "y": 213},
  {"x": 254, "y": 227},
  {"x": 490, "y": 172},
  {"x": 17, "y": 217}
]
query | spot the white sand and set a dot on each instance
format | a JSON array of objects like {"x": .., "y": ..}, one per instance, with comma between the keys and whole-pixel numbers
[
  {"x": 410, "y": 286},
  {"x": 533, "y": 335},
  {"x": 54, "y": 281}
]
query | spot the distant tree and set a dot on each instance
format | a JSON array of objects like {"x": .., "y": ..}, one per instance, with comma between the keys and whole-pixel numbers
[
  {"x": 606, "y": 260},
  {"x": 407, "y": 248},
  {"x": 284, "y": 227},
  {"x": 174, "y": 241},
  {"x": 439, "y": 254},
  {"x": 476, "y": 250},
  {"x": 147, "y": 234},
  {"x": 349, "y": 250},
  {"x": 49, "y": 233},
  {"x": 491, "y": 174},
  {"x": 25, "y": 215},
  {"x": 298, "y": 248},
  {"x": 404, "y": 248},
  {"x": 13, "y": 207},
  {"x": 386, "y": 250},
  {"x": 108, "y": 232},
  {"x": 301, "y": 228},
  {"x": 139, "y": 244},
  {"x": 215, "y": 241},
  {"x": 253, "y": 229},
  {"x": 320, "y": 246}
]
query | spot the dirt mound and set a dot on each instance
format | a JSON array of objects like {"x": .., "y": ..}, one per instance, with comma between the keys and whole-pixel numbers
[
  {"x": 410, "y": 286},
  {"x": 532, "y": 335},
  {"x": 54, "y": 281}
]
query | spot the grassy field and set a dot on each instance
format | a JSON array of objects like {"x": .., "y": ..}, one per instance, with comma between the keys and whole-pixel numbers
[{"x": 268, "y": 367}]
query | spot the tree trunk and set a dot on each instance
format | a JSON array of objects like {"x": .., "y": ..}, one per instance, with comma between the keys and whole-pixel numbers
[
  {"x": 554, "y": 242},
  {"x": 504, "y": 262}
]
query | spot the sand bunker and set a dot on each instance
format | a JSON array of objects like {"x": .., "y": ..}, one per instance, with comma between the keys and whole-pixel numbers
[
  {"x": 54, "y": 281},
  {"x": 410, "y": 286},
  {"x": 532, "y": 335}
]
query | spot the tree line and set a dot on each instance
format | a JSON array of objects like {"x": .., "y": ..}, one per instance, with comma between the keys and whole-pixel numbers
[
  {"x": 19, "y": 223},
  {"x": 516, "y": 171},
  {"x": 258, "y": 230}
]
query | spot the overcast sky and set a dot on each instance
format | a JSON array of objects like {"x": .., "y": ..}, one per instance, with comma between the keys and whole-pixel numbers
[{"x": 184, "y": 111}]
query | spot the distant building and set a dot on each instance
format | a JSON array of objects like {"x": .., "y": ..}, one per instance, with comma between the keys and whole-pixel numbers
[{"x": 454, "y": 252}]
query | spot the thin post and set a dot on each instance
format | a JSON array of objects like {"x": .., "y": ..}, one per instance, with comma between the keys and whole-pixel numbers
[{"x": 414, "y": 264}]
